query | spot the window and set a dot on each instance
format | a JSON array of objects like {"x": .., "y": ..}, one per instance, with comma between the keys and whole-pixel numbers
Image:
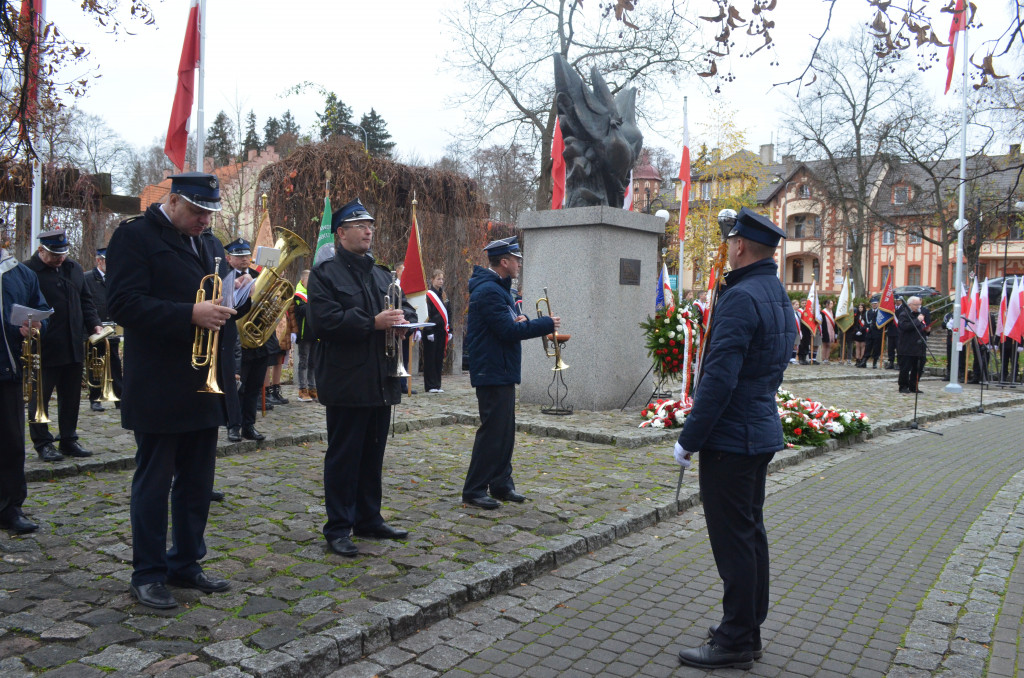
[
  {"x": 705, "y": 190},
  {"x": 798, "y": 226},
  {"x": 914, "y": 239},
  {"x": 816, "y": 269},
  {"x": 806, "y": 226},
  {"x": 913, "y": 275},
  {"x": 817, "y": 227},
  {"x": 798, "y": 271},
  {"x": 803, "y": 191},
  {"x": 888, "y": 236},
  {"x": 849, "y": 242},
  {"x": 899, "y": 195},
  {"x": 1017, "y": 231}
]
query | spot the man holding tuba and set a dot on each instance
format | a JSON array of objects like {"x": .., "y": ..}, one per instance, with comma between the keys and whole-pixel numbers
[
  {"x": 356, "y": 380},
  {"x": 18, "y": 285},
  {"x": 159, "y": 262},
  {"x": 96, "y": 281}
]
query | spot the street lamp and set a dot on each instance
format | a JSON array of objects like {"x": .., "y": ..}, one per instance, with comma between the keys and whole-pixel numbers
[{"x": 366, "y": 144}]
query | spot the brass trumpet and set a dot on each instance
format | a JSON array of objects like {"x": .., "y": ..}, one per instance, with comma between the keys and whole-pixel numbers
[
  {"x": 393, "y": 347},
  {"x": 206, "y": 342},
  {"x": 32, "y": 372},
  {"x": 98, "y": 372},
  {"x": 553, "y": 337}
]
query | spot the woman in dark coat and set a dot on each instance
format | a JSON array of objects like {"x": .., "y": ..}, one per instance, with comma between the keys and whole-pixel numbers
[
  {"x": 860, "y": 333},
  {"x": 436, "y": 338}
]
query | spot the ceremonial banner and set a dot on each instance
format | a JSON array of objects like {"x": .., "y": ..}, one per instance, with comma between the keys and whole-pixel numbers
[
  {"x": 958, "y": 24},
  {"x": 844, "y": 310},
  {"x": 967, "y": 313},
  {"x": 30, "y": 16},
  {"x": 981, "y": 319},
  {"x": 557, "y": 169},
  {"x": 414, "y": 279},
  {"x": 181, "y": 110},
  {"x": 325, "y": 239},
  {"x": 811, "y": 314},
  {"x": 887, "y": 303},
  {"x": 1014, "y": 314},
  {"x": 664, "y": 297}
]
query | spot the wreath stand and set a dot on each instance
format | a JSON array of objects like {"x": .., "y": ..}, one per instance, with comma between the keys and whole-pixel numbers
[{"x": 558, "y": 390}]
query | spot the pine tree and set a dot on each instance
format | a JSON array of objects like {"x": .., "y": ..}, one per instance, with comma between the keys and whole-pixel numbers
[
  {"x": 271, "y": 131},
  {"x": 252, "y": 137},
  {"x": 220, "y": 140},
  {"x": 288, "y": 124},
  {"x": 288, "y": 139},
  {"x": 377, "y": 135},
  {"x": 336, "y": 119}
]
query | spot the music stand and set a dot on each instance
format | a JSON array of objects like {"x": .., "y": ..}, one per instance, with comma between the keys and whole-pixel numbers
[{"x": 558, "y": 390}]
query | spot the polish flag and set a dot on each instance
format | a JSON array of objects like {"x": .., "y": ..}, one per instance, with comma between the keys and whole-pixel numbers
[
  {"x": 981, "y": 320},
  {"x": 1001, "y": 314},
  {"x": 684, "y": 183},
  {"x": 1014, "y": 316},
  {"x": 557, "y": 169},
  {"x": 958, "y": 24},
  {"x": 414, "y": 277},
  {"x": 30, "y": 14},
  {"x": 811, "y": 314},
  {"x": 627, "y": 199},
  {"x": 966, "y": 325},
  {"x": 181, "y": 111}
]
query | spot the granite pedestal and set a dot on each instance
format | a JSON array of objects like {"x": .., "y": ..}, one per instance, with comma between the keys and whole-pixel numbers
[{"x": 600, "y": 267}]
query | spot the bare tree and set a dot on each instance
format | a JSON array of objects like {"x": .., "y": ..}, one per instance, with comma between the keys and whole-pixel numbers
[
  {"x": 505, "y": 176},
  {"x": 504, "y": 53},
  {"x": 99, "y": 149}
]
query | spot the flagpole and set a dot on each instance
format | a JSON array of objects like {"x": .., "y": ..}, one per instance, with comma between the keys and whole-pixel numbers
[
  {"x": 683, "y": 209},
  {"x": 37, "y": 162},
  {"x": 200, "y": 127},
  {"x": 954, "y": 359}
]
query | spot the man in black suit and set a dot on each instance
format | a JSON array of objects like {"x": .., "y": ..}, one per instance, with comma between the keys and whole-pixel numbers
[
  {"x": 157, "y": 263},
  {"x": 874, "y": 335},
  {"x": 96, "y": 281},
  {"x": 62, "y": 282}
]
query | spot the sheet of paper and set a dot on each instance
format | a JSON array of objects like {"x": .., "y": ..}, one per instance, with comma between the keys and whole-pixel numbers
[{"x": 19, "y": 314}]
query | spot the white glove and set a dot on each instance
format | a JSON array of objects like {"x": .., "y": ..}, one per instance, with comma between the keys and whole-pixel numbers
[
  {"x": 293, "y": 337},
  {"x": 682, "y": 456},
  {"x": 416, "y": 335},
  {"x": 430, "y": 337},
  {"x": 449, "y": 336}
]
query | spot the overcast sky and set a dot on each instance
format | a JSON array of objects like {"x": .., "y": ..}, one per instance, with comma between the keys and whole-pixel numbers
[{"x": 387, "y": 54}]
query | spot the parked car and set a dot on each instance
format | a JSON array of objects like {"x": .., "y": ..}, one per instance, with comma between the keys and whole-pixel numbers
[{"x": 923, "y": 291}]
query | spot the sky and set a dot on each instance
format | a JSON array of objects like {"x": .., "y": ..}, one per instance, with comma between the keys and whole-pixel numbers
[{"x": 389, "y": 55}]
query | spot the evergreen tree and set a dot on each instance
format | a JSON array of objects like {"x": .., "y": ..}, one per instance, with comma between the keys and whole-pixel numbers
[
  {"x": 336, "y": 119},
  {"x": 252, "y": 137},
  {"x": 220, "y": 140},
  {"x": 271, "y": 131},
  {"x": 288, "y": 139},
  {"x": 288, "y": 124},
  {"x": 377, "y": 136}
]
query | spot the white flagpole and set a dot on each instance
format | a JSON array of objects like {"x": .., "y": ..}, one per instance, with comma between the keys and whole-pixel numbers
[
  {"x": 37, "y": 163},
  {"x": 954, "y": 357},
  {"x": 200, "y": 127},
  {"x": 686, "y": 144}
]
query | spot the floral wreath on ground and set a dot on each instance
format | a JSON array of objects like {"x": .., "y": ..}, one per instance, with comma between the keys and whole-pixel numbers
[
  {"x": 804, "y": 422},
  {"x": 671, "y": 339}
]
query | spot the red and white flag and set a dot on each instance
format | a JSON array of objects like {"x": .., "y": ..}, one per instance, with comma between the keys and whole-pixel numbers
[
  {"x": 1001, "y": 314},
  {"x": 1014, "y": 316},
  {"x": 966, "y": 324},
  {"x": 31, "y": 11},
  {"x": 557, "y": 169},
  {"x": 958, "y": 24},
  {"x": 181, "y": 110},
  {"x": 627, "y": 199},
  {"x": 981, "y": 319},
  {"x": 414, "y": 278},
  {"x": 684, "y": 183},
  {"x": 811, "y": 314}
]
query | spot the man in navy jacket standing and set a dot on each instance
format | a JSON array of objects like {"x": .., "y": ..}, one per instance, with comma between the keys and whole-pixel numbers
[
  {"x": 494, "y": 330},
  {"x": 735, "y": 426}
]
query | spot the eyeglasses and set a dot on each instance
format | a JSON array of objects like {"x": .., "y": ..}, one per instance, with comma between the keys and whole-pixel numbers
[{"x": 365, "y": 227}]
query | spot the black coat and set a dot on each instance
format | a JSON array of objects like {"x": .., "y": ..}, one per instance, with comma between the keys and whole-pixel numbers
[
  {"x": 912, "y": 332},
  {"x": 20, "y": 286},
  {"x": 74, "y": 314},
  {"x": 270, "y": 346},
  {"x": 434, "y": 316},
  {"x": 153, "y": 276},
  {"x": 345, "y": 294}
]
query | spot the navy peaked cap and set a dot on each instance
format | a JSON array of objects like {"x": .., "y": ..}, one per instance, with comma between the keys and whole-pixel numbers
[
  {"x": 238, "y": 248},
  {"x": 353, "y": 211},
  {"x": 101, "y": 252},
  {"x": 497, "y": 248},
  {"x": 756, "y": 227},
  {"x": 55, "y": 241},
  {"x": 199, "y": 188}
]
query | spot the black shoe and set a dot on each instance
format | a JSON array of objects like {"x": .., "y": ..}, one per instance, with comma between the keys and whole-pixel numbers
[
  {"x": 710, "y": 656},
  {"x": 250, "y": 433},
  {"x": 200, "y": 581},
  {"x": 904, "y": 389},
  {"x": 18, "y": 523},
  {"x": 278, "y": 398},
  {"x": 49, "y": 453},
  {"x": 74, "y": 449},
  {"x": 154, "y": 595},
  {"x": 382, "y": 531},
  {"x": 216, "y": 495},
  {"x": 343, "y": 546},
  {"x": 874, "y": 365},
  {"x": 757, "y": 653},
  {"x": 235, "y": 434},
  {"x": 482, "y": 502},
  {"x": 510, "y": 496},
  {"x": 96, "y": 406},
  {"x": 890, "y": 366}
]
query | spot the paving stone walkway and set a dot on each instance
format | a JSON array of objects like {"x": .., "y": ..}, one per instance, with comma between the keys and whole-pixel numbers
[{"x": 595, "y": 481}]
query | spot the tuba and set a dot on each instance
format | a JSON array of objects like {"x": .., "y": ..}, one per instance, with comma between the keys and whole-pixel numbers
[
  {"x": 98, "y": 371},
  {"x": 271, "y": 293},
  {"x": 555, "y": 338},
  {"x": 206, "y": 342},
  {"x": 32, "y": 372},
  {"x": 393, "y": 347}
]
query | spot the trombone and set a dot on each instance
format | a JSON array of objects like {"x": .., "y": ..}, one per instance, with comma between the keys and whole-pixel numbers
[
  {"x": 98, "y": 372},
  {"x": 393, "y": 345},
  {"x": 32, "y": 372},
  {"x": 553, "y": 337},
  {"x": 206, "y": 342}
]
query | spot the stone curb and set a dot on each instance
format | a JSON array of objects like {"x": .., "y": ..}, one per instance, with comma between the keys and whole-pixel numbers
[{"x": 367, "y": 632}]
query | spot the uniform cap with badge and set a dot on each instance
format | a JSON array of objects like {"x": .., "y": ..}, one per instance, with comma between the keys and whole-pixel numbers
[
  {"x": 101, "y": 252},
  {"x": 55, "y": 241},
  {"x": 758, "y": 228},
  {"x": 353, "y": 211},
  {"x": 238, "y": 248},
  {"x": 199, "y": 188},
  {"x": 498, "y": 248}
]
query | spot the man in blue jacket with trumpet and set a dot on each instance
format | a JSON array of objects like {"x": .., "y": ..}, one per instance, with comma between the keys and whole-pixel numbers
[{"x": 735, "y": 426}]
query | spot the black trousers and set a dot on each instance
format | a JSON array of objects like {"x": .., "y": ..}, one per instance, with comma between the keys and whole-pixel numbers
[
  {"x": 491, "y": 464},
  {"x": 1010, "y": 361},
  {"x": 68, "y": 381},
  {"x": 891, "y": 342},
  {"x": 188, "y": 459},
  {"x": 254, "y": 372},
  {"x": 910, "y": 370},
  {"x": 115, "y": 371},
  {"x": 433, "y": 361},
  {"x": 874, "y": 347},
  {"x": 732, "y": 490},
  {"x": 356, "y": 437},
  {"x": 13, "y": 488},
  {"x": 806, "y": 341}
]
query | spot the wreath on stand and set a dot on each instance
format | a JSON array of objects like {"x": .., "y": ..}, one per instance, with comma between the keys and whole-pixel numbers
[{"x": 671, "y": 338}]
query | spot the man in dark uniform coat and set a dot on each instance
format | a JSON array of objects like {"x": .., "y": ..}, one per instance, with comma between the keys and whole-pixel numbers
[
  {"x": 912, "y": 347},
  {"x": 74, "y": 318},
  {"x": 96, "y": 280},
  {"x": 18, "y": 285},
  {"x": 892, "y": 334},
  {"x": 734, "y": 425},
  {"x": 495, "y": 330},
  {"x": 353, "y": 378},
  {"x": 156, "y": 264},
  {"x": 874, "y": 337}
]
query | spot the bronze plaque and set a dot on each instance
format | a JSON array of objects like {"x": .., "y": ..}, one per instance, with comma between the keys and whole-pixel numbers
[{"x": 629, "y": 272}]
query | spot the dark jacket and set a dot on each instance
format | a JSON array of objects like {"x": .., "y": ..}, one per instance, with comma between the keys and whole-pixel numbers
[
  {"x": 345, "y": 295},
  {"x": 434, "y": 316},
  {"x": 20, "y": 286},
  {"x": 74, "y": 314},
  {"x": 152, "y": 279},
  {"x": 873, "y": 330},
  {"x": 912, "y": 332},
  {"x": 492, "y": 334},
  {"x": 748, "y": 347}
]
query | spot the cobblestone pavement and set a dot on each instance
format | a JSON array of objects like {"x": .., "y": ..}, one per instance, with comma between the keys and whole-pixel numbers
[{"x": 594, "y": 479}]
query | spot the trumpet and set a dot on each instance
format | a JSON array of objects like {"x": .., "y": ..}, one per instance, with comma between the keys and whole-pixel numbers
[
  {"x": 553, "y": 337},
  {"x": 98, "y": 372},
  {"x": 206, "y": 342},
  {"x": 32, "y": 372},
  {"x": 393, "y": 345}
]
